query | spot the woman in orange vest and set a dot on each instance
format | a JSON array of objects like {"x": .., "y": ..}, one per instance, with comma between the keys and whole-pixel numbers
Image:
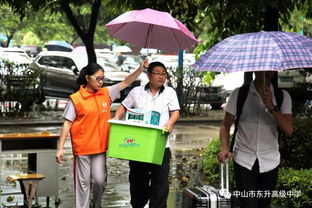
[{"x": 86, "y": 118}]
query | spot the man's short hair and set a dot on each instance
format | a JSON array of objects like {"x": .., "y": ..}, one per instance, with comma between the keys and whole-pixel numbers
[{"x": 154, "y": 64}]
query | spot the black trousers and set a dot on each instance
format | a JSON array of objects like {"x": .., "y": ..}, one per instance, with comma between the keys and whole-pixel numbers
[
  {"x": 254, "y": 188},
  {"x": 150, "y": 182}
]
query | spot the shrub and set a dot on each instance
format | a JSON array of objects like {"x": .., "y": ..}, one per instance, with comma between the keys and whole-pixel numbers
[
  {"x": 301, "y": 98},
  {"x": 295, "y": 182},
  {"x": 18, "y": 88},
  {"x": 211, "y": 165},
  {"x": 297, "y": 148}
]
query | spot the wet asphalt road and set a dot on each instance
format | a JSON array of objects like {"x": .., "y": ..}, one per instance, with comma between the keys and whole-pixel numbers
[{"x": 187, "y": 142}]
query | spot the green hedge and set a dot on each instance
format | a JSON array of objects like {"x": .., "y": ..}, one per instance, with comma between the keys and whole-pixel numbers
[
  {"x": 211, "y": 165},
  {"x": 298, "y": 183},
  {"x": 296, "y": 150},
  {"x": 289, "y": 179},
  {"x": 19, "y": 87}
]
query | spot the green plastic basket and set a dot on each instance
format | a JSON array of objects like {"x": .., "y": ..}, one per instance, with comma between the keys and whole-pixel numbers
[{"x": 135, "y": 141}]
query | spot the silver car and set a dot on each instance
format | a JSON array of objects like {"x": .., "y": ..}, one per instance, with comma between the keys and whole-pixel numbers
[{"x": 60, "y": 71}]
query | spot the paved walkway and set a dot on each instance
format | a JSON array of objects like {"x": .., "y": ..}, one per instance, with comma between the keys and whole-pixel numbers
[{"x": 187, "y": 143}]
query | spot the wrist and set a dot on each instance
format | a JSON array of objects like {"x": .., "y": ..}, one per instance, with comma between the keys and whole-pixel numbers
[{"x": 224, "y": 148}]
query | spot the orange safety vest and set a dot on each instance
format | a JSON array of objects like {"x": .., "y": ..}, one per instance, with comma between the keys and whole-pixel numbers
[{"x": 89, "y": 131}]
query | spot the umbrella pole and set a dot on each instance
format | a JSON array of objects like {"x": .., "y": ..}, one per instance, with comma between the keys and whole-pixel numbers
[{"x": 264, "y": 89}]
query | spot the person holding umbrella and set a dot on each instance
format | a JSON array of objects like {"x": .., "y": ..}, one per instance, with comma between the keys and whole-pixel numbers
[
  {"x": 256, "y": 151},
  {"x": 86, "y": 118},
  {"x": 149, "y": 182}
]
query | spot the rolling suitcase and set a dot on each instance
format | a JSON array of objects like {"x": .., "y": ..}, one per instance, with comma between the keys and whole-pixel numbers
[{"x": 208, "y": 196}]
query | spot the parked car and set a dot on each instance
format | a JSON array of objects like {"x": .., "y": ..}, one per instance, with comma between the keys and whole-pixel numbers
[
  {"x": 213, "y": 95},
  {"x": 31, "y": 50},
  {"x": 108, "y": 53},
  {"x": 60, "y": 71},
  {"x": 21, "y": 56},
  {"x": 171, "y": 61},
  {"x": 130, "y": 63},
  {"x": 289, "y": 78}
]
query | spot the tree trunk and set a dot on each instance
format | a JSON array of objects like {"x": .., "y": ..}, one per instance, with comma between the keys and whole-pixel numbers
[
  {"x": 87, "y": 36},
  {"x": 271, "y": 24},
  {"x": 271, "y": 19}
]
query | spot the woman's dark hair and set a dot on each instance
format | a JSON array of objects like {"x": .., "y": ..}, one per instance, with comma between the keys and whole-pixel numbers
[
  {"x": 154, "y": 64},
  {"x": 90, "y": 69}
]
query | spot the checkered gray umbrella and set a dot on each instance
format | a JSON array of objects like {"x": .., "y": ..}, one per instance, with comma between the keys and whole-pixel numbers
[{"x": 260, "y": 51}]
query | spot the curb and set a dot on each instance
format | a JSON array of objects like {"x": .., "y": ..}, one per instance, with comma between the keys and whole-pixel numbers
[
  {"x": 31, "y": 123},
  {"x": 60, "y": 123}
]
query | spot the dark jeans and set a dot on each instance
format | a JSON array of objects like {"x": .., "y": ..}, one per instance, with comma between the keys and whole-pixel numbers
[
  {"x": 150, "y": 182},
  {"x": 254, "y": 187}
]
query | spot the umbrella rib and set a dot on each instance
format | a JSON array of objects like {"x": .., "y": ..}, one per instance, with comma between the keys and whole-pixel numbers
[
  {"x": 176, "y": 40},
  {"x": 148, "y": 39},
  {"x": 117, "y": 30}
]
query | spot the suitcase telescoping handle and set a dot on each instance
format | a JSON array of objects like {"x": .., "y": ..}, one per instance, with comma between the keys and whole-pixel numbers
[{"x": 224, "y": 191}]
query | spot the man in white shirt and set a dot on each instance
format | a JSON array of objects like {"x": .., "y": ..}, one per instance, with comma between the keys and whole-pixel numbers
[
  {"x": 149, "y": 182},
  {"x": 256, "y": 153}
]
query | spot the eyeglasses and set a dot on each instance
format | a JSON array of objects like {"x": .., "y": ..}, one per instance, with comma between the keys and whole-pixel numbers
[
  {"x": 98, "y": 79},
  {"x": 159, "y": 74}
]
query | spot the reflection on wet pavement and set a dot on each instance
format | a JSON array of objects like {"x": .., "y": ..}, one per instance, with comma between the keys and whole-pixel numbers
[{"x": 187, "y": 144}]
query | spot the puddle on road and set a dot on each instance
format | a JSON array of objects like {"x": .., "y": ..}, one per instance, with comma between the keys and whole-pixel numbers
[{"x": 187, "y": 143}]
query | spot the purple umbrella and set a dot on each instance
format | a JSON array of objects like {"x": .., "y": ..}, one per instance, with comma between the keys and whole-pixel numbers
[
  {"x": 260, "y": 51},
  {"x": 150, "y": 28}
]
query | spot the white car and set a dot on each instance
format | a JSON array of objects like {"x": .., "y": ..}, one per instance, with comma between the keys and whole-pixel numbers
[
  {"x": 15, "y": 55},
  {"x": 60, "y": 71}
]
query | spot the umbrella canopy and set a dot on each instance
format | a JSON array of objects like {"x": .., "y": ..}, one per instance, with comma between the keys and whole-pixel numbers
[
  {"x": 150, "y": 28},
  {"x": 260, "y": 51},
  {"x": 58, "y": 45},
  {"x": 122, "y": 49}
]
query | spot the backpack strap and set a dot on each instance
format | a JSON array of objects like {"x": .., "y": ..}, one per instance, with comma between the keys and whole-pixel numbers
[
  {"x": 241, "y": 98},
  {"x": 279, "y": 96}
]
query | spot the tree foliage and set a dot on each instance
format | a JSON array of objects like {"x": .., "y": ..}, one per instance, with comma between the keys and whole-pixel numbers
[
  {"x": 10, "y": 23},
  {"x": 51, "y": 26},
  {"x": 83, "y": 16},
  {"x": 210, "y": 20}
]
